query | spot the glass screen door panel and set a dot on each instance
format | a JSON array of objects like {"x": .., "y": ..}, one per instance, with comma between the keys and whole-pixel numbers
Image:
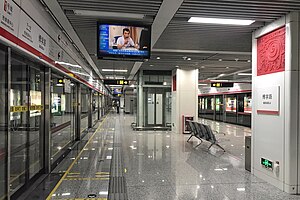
[
  {"x": 3, "y": 123},
  {"x": 219, "y": 108},
  {"x": 19, "y": 124},
  {"x": 26, "y": 94},
  {"x": 35, "y": 121}
]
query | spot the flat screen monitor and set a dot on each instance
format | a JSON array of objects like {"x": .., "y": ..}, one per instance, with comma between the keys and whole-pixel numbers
[{"x": 115, "y": 40}]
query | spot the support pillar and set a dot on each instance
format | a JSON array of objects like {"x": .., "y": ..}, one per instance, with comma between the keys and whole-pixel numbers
[
  {"x": 184, "y": 96},
  {"x": 275, "y": 118}
]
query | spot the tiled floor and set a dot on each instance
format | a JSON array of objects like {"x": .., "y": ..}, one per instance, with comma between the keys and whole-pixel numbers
[{"x": 160, "y": 165}]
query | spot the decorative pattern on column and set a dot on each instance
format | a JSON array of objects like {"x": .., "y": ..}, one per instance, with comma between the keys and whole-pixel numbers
[{"x": 271, "y": 52}]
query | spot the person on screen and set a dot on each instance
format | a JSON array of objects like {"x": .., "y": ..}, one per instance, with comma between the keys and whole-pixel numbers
[{"x": 126, "y": 41}]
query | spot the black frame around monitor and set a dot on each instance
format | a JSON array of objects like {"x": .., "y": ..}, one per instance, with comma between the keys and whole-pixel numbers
[{"x": 123, "y": 57}]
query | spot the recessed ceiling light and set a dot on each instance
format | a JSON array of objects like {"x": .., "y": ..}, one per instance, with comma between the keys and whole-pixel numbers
[
  {"x": 189, "y": 58},
  {"x": 176, "y": 66},
  {"x": 202, "y": 67},
  {"x": 151, "y": 65},
  {"x": 236, "y": 59},
  {"x": 244, "y": 74},
  {"x": 221, "y": 75},
  {"x": 114, "y": 70},
  {"x": 68, "y": 64},
  {"x": 158, "y": 58},
  {"x": 108, "y": 14},
  {"x": 227, "y": 67},
  {"x": 221, "y": 21},
  {"x": 220, "y": 59},
  {"x": 248, "y": 60},
  {"x": 217, "y": 80}
]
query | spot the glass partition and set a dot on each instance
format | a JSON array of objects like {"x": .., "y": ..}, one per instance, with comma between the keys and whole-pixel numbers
[
  {"x": 95, "y": 107},
  {"x": 231, "y": 108},
  {"x": 26, "y": 94},
  {"x": 208, "y": 107},
  {"x": 219, "y": 108},
  {"x": 84, "y": 109},
  {"x": 3, "y": 123},
  {"x": 36, "y": 85},
  {"x": 19, "y": 122},
  {"x": 244, "y": 109},
  {"x": 62, "y": 115}
]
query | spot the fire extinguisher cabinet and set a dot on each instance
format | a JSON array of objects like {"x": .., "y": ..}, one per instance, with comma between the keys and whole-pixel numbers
[{"x": 185, "y": 119}]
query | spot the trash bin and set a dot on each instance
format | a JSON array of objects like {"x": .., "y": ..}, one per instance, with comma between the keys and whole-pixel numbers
[{"x": 248, "y": 153}]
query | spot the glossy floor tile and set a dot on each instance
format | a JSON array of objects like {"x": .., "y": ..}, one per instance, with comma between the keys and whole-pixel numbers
[{"x": 162, "y": 165}]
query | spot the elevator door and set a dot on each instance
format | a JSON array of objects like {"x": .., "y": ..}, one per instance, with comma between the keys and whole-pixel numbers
[{"x": 154, "y": 114}]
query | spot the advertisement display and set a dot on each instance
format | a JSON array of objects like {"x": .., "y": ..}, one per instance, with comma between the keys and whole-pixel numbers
[
  {"x": 124, "y": 40},
  {"x": 212, "y": 105},
  {"x": 55, "y": 103},
  {"x": 63, "y": 103},
  {"x": 35, "y": 100},
  {"x": 218, "y": 103},
  {"x": 231, "y": 104},
  {"x": 247, "y": 104}
]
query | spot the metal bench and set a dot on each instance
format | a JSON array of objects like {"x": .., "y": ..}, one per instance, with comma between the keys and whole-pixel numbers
[{"x": 203, "y": 132}]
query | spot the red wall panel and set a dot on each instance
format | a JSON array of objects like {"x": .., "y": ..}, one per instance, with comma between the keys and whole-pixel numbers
[{"x": 271, "y": 52}]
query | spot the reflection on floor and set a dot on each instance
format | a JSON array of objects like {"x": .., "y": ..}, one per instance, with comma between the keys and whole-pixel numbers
[
  {"x": 233, "y": 140},
  {"x": 162, "y": 165}
]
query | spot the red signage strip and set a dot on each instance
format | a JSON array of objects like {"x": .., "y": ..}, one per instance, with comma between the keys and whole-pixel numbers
[
  {"x": 24, "y": 45},
  {"x": 174, "y": 84},
  {"x": 268, "y": 112}
]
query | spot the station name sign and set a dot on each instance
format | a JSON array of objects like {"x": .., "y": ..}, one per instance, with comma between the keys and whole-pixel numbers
[
  {"x": 221, "y": 84},
  {"x": 116, "y": 82}
]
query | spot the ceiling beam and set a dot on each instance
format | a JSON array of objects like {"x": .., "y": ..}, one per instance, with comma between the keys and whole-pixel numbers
[{"x": 165, "y": 14}]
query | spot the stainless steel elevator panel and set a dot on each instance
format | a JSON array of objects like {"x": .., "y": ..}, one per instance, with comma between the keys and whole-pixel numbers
[
  {"x": 159, "y": 109},
  {"x": 151, "y": 108}
]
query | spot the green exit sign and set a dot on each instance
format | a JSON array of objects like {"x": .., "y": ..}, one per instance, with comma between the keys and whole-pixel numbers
[{"x": 266, "y": 163}]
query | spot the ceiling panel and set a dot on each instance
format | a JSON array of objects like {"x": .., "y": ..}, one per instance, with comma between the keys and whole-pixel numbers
[{"x": 183, "y": 36}]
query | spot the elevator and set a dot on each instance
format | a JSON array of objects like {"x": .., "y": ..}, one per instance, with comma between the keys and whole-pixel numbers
[{"x": 155, "y": 113}]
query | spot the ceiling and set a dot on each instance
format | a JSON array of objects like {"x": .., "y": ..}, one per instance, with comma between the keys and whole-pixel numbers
[{"x": 214, "y": 49}]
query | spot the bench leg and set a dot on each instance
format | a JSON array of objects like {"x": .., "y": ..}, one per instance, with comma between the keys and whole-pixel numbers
[
  {"x": 199, "y": 144},
  {"x": 220, "y": 147},
  {"x": 216, "y": 145},
  {"x": 210, "y": 146},
  {"x": 190, "y": 138}
]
